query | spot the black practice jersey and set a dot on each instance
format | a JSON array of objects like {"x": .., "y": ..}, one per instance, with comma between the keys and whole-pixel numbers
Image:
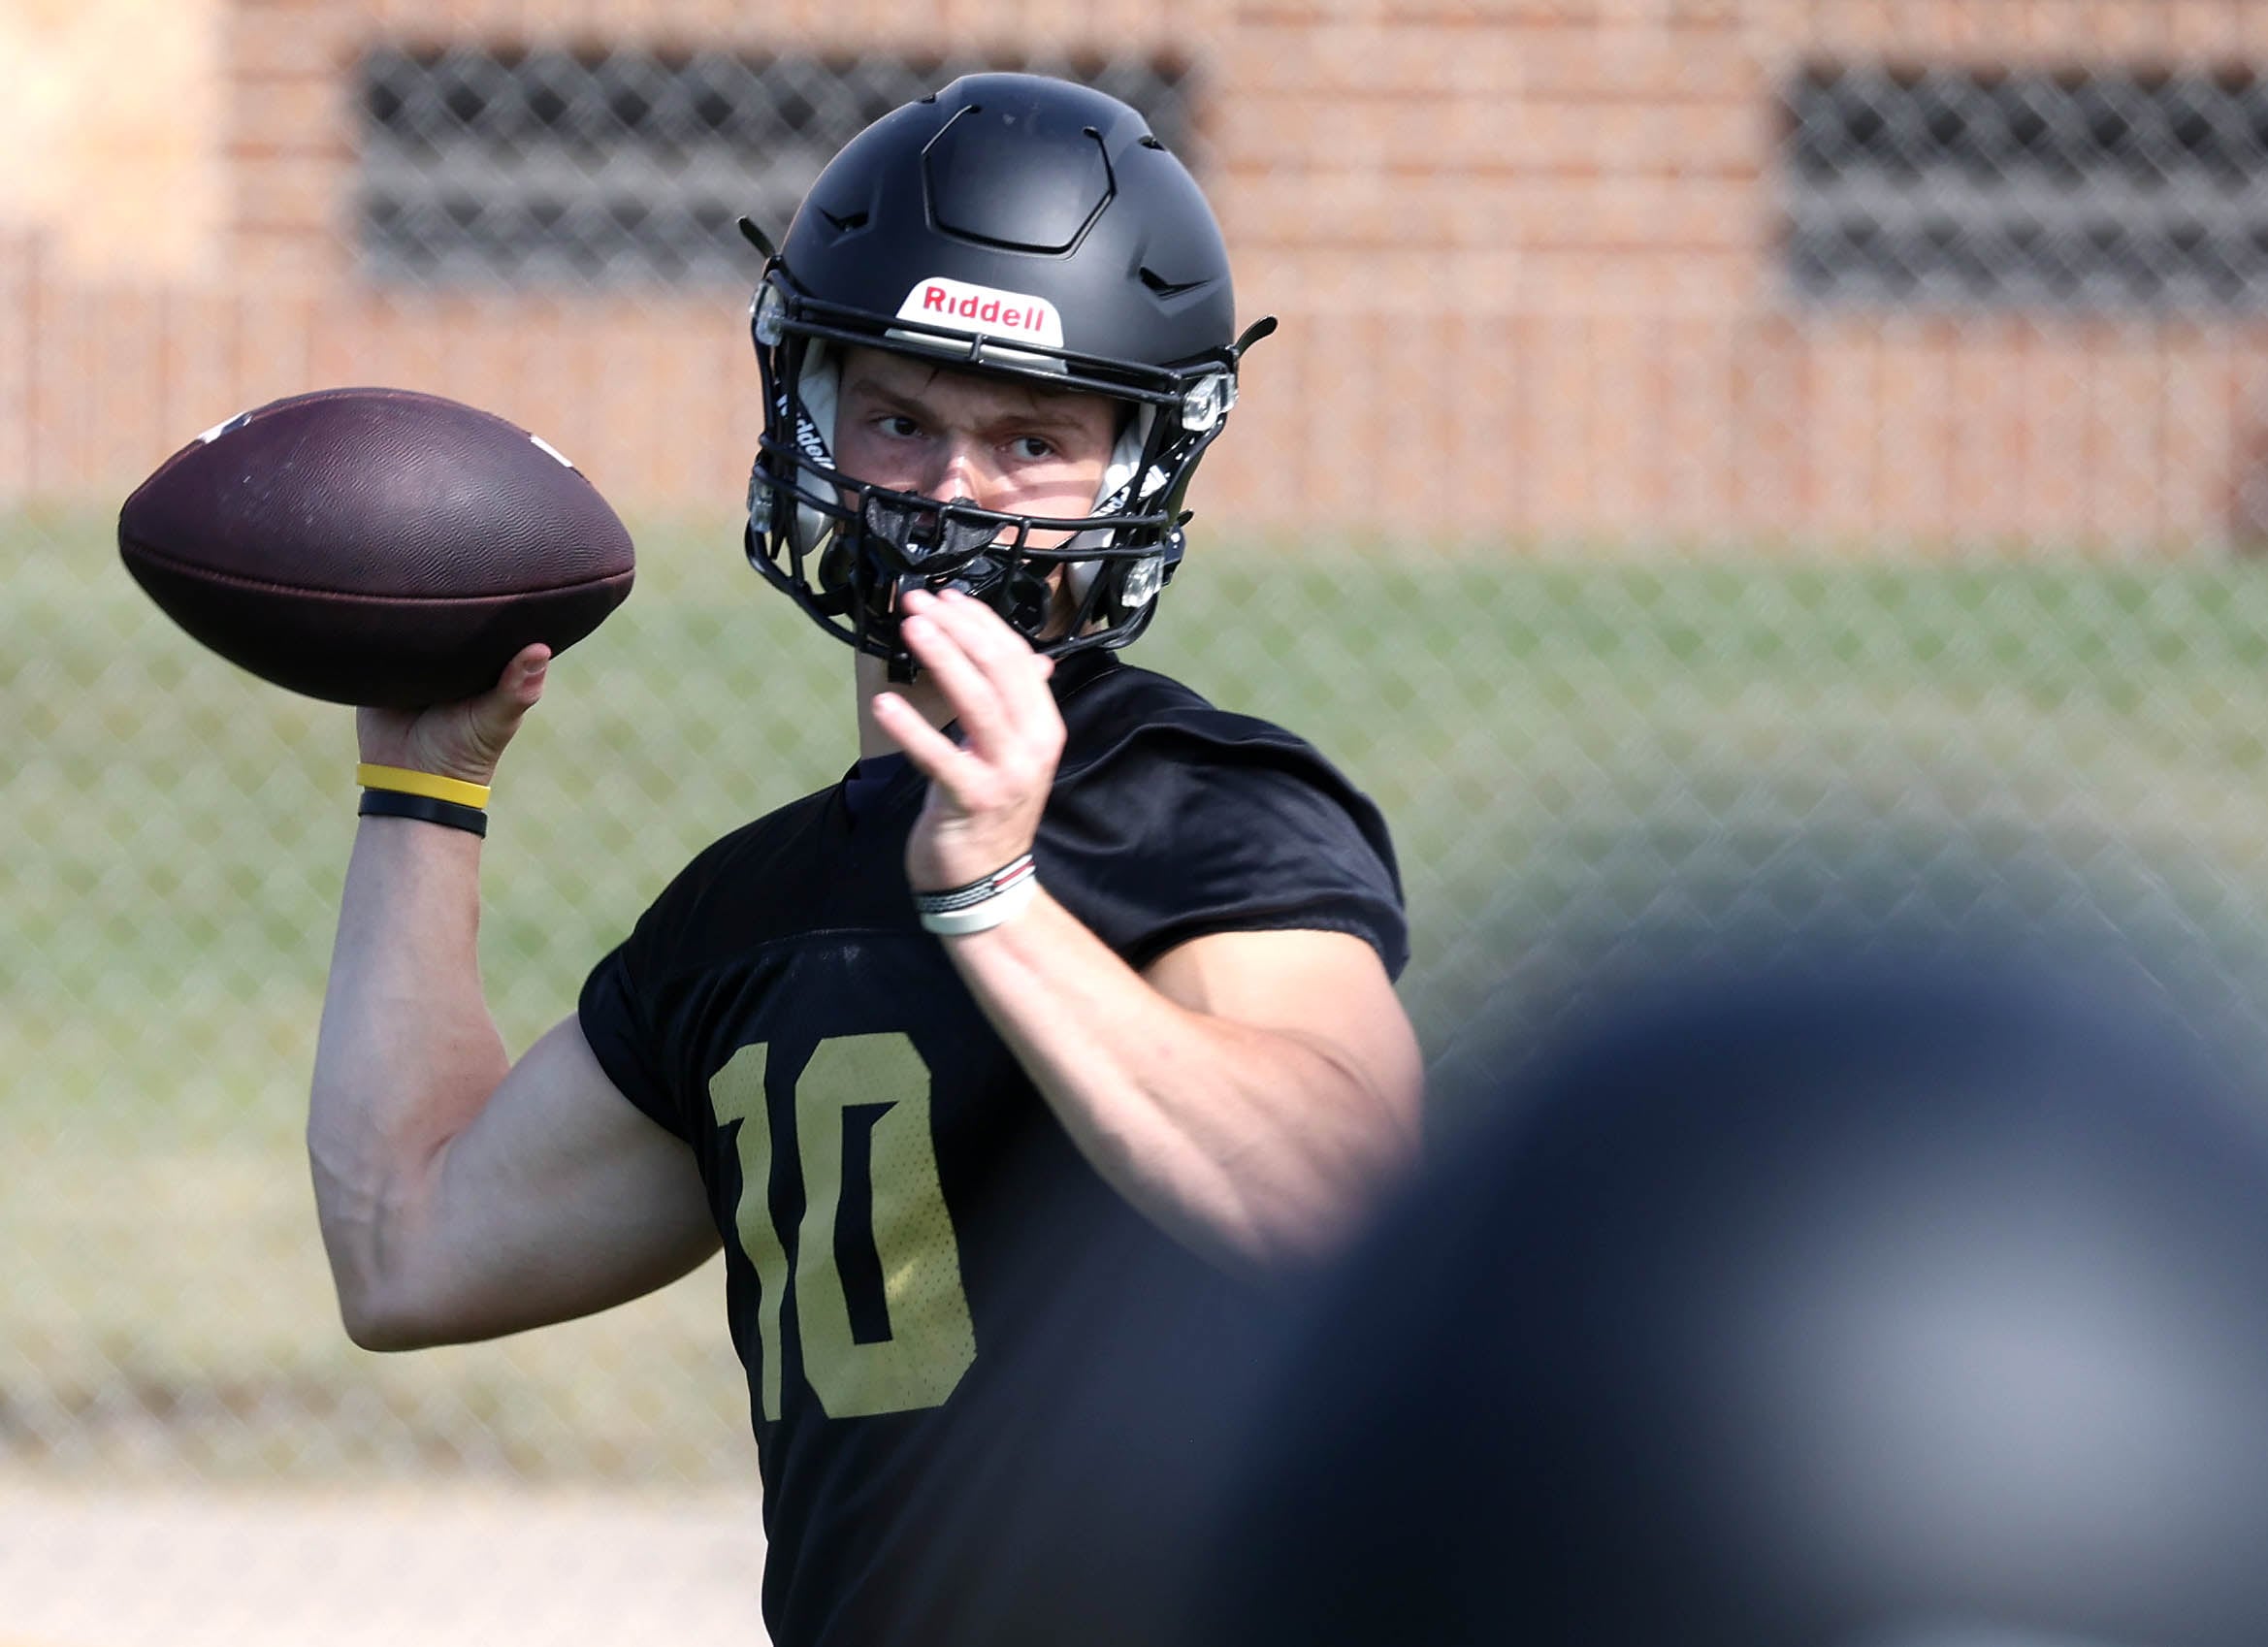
[{"x": 977, "y": 1373}]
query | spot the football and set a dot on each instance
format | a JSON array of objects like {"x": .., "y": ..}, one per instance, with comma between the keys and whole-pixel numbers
[{"x": 376, "y": 546}]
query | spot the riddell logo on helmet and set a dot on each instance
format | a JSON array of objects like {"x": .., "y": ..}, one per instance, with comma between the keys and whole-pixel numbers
[{"x": 986, "y": 310}]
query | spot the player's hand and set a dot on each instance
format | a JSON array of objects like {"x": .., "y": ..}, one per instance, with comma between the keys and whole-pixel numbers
[
  {"x": 985, "y": 792},
  {"x": 464, "y": 739}
]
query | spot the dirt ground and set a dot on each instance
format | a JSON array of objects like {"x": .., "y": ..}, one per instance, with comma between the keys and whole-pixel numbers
[{"x": 443, "y": 1568}]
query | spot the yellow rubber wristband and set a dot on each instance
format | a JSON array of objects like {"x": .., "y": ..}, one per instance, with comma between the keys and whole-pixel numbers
[{"x": 402, "y": 780}]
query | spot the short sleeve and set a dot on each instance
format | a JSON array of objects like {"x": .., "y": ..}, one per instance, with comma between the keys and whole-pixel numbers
[
  {"x": 1226, "y": 824},
  {"x": 635, "y": 1003},
  {"x": 617, "y": 1021},
  {"x": 652, "y": 1008}
]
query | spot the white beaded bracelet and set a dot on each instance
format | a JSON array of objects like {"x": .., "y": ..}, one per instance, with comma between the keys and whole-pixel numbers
[{"x": 983, "y": 903}]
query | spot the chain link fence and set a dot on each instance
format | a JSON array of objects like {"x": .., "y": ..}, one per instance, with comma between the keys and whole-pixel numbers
[
  {"x": 499, "y": 166},
  {"x": 2115, "y": 190},
  {"x": 1597, "y": 755}
]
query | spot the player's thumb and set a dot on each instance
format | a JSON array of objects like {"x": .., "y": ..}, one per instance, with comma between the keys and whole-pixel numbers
[
  {"x": 492, "y": 719},
  {"x": 523, "y": 677},
  {"x": 517, "y": 690}
]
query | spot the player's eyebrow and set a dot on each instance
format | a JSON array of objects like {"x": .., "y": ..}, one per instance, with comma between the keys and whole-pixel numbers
[{"x": 1044, "y": 408}]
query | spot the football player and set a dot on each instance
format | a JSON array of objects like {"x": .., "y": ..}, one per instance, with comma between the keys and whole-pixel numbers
[
  {"x": 1869, "y": 1300},
  {"x": 998, "y": 1069}
]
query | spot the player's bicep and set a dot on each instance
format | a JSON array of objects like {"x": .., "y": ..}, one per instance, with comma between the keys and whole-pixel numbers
[
  {"x": 561, "y": 1198},
  {"x": 1329, "y": 990}
]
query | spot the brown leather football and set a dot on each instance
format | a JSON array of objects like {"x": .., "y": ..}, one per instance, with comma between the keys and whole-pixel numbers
[{"x": 376, "y": 546}]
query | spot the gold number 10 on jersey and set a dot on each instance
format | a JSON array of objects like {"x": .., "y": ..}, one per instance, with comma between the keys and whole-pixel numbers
[{"x": 862, "y": 1102}]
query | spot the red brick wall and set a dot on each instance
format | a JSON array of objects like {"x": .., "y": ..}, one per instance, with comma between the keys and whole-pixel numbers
[{"x": 1522, "y": 251}]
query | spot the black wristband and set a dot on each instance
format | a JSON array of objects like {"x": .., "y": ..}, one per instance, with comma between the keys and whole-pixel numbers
[{"x": 394, "y": 803}]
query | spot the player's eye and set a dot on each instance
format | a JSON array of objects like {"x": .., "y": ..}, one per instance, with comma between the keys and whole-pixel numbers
[
  {"x": 897, "y": 425},
  {"x": 1033, "y": 448}
]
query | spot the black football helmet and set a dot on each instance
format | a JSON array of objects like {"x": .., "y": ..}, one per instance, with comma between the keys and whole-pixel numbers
[{"x": 1023, "y": 227}]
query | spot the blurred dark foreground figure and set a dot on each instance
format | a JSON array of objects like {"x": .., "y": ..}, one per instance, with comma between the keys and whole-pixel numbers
[{"x": 1865, "y": 1306}]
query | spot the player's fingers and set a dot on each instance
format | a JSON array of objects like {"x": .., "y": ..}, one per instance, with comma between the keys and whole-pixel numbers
[
  {"x": 383, "y": 736},
  {"x": 986, "y": 637},
  {"x": 935, "y": 755},
  {"x": 1016, "y": 673},
  {"x": 968, "y": 686}
]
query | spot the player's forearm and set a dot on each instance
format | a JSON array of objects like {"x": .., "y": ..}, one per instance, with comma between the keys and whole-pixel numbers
[
  {"x": 1248, "y": 1143},
  {"x": 407, "y": 1055}
]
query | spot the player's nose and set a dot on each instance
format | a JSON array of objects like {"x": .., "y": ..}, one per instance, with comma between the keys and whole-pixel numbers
[{"x": 961, "y": 473}]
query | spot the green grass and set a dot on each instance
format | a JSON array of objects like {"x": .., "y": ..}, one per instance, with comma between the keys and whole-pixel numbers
[{"x": 1566, "y": 746}]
